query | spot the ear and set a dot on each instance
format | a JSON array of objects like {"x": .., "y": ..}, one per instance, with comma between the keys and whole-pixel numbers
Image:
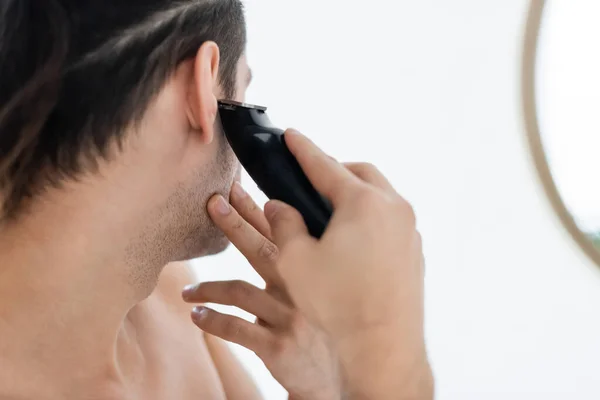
[{"x": 202, "y": 101}]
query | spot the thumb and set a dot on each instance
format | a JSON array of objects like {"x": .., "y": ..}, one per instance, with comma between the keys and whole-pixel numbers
[{"x": 286, "y": 223}]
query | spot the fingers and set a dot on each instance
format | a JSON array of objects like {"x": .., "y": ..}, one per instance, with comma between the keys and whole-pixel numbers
[
  {"x": 242, "y": 295},
  {"x": 249, "y": 210},
  {"x": 260, "y": 252},
  {"x": 286, "y": 223},
  {"x": 233, "y": 329},
  {"x": 370, "y": 174},
  {"x": 328, "y": 177}
]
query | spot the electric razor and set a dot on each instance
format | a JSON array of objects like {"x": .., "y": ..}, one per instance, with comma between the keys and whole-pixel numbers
[{"x": 262, "y": 151}]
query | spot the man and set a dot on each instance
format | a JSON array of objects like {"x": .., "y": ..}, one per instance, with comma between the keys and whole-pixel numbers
[{"x": 109, "y": 152}]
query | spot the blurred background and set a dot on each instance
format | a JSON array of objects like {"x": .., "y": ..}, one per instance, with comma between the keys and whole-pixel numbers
[{"x": 429, "y": 91}]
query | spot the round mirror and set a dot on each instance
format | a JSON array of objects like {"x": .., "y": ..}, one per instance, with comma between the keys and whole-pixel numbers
[{"x": 561, "y": 89}]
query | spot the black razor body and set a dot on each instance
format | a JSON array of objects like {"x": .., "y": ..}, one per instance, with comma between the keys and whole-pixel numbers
[{"x": 263, "y": 153}]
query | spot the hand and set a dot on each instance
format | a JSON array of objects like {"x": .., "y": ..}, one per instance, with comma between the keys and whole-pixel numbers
[
  {"x": 363, "y": 281},
  {"x": 295, "y": 352}
]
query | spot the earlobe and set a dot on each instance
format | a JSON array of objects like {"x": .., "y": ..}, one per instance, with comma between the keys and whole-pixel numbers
[{"x": 202, "y": 101}]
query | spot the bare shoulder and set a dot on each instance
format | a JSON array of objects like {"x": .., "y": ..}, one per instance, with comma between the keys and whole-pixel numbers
[{"x": 237, "y": 383}]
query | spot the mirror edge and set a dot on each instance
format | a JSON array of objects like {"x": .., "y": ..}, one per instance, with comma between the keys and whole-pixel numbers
[{"x": 532, "y": 129}]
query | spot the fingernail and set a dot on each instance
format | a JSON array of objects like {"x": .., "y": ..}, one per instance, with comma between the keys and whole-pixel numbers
[
  {"x": 223, "y": 207},
  {"x": 199, "y": 313},
  {"x": 271, "y": 209},
  {"x": 238, "y": 191},
  {"x": 188, "y": 290}
]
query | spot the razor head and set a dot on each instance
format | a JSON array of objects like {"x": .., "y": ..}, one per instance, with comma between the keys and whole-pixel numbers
[
  {"x": 261, "y": 149},
  {"x": 240, "y": 121},
  {"x": 232, "y": 105}
]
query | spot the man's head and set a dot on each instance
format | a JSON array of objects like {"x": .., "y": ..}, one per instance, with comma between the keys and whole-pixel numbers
[{"x": 110, "y": 106}]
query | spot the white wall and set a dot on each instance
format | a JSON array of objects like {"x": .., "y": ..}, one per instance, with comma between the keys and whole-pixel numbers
[{"x": 429, "y": 91}]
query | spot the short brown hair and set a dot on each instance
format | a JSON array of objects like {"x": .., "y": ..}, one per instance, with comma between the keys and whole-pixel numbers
[{"x": 75, "y": 73}]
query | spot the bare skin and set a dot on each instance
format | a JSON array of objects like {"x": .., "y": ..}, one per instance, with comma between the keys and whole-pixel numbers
[
  {"x": 161, "y": 355},
  {"x": 87, "y": 308},
  {"x": 212, "y": 371},
  {"x": 184, "y": 363},
  {"x": 363, "y": 282},
  {"x": 299, "y": 355}
]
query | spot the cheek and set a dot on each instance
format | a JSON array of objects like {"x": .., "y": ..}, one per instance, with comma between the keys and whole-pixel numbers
[
  {"x": 230, "y": 162},
  {"x": 240, "y": 91},
  {"x": 240, "y": 95},
  {"x": 236, "y": 167}
]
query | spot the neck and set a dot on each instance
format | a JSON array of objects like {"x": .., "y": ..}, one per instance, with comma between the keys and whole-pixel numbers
[{"x": 67, "y": 295}]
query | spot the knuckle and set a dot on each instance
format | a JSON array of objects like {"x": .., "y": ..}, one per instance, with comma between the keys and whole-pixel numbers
[
  {"x": 280, "y": 294},
  {"x": 231, "y": 328},
  {"x": 296, "y": 322},
  {"x": 251, "y": 206},
  {"x": 239, "y": 291},
  {"x": 287, "y": 215},
  {"x": 342, "y": 186},
  {"x": 238, "y": 224},
  {"x": 268, "y": 251},
  {"x": 279, "y": 346},
  {"x": 364, "y": 170},
  {"x": 418, "y": 239},
  {"x": 281, "y": 214},
  {"x": 368, "y": 167},
  {"x": 407, "y": 212},
  {"x": 369, "y": 200}
]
